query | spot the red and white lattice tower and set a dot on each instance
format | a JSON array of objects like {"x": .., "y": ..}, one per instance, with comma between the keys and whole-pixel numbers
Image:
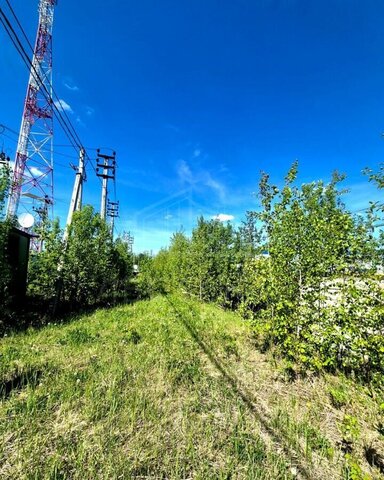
[{"x": 32, "y": 183}]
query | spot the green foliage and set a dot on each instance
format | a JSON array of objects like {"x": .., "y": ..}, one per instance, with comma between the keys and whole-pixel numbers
[
  {"x": 350, "y": 428},
  {"x": 302, "y": 269},
  {"x": 147, "y": 280},
  {"x": 178, "y": 262},
  {"x": 5, "y": 226},
  {"x": 206, "y": 266},
  {"x": 43, "y": 271},
  {"x": 314, "y": 296},
  {"x": 339, "y": 396},
  {"x": 89, "y": 269},
  {"x": 352, "y": 470}
]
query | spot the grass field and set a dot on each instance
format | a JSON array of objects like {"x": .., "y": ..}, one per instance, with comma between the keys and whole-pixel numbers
[{"x": 174, "y": 389}]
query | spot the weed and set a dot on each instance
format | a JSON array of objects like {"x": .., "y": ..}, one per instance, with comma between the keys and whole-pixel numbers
[
  {"x": 352, "y": 470},
  {"x": 339, "y": 396},
  {"x": 184, "y": 370},
  {"x": 248, "y": 448},
  {"x": 77, "y": 336},
  {"x": 230, "y": 346},
  {"x": 350, "y": 429},
  {"x": 302, "y": 435},
  {"x": 132, "y": 337}
]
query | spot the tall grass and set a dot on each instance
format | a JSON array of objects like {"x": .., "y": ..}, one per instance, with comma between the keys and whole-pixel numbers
[
  {"x": 125, "y": 393},
  {"x": 175, "y": 389}
]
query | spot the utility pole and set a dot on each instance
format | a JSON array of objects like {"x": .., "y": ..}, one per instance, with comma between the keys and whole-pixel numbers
[
  {"x": 77, "y": 193},
  {"x": 112, "y": 212},
  {"x": 108, "y": 165},
  {"x": 75, "y": 205}
]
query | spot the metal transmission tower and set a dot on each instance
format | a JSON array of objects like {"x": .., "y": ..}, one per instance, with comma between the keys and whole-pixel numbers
[
  {"x": 32, "y": 182},
  {"x": 108, "y": 165},
  {"x": 129, "y": 239},
  {"x": 112, "y": 213}
]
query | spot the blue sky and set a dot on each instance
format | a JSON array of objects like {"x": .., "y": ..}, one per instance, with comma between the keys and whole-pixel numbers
[{"x": 197, "y": 97}]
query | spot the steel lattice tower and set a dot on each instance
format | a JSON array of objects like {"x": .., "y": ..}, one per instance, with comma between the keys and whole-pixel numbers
[{"x": 32, "y": 182}]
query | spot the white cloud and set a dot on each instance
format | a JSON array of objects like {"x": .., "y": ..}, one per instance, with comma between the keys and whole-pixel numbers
[
  {"x": 71, "y": 86},
  {"x": 36, "y": 172},
  {"x": 197, "y": 153},
  {"x": 63, "y": 106},
  {"x": 169, "y": 126},
  {"x": 89, "y": 111},
  {"x": 203, "y": 177},
  {"x": 184, "y": 172},
  {"x": 216, "y": 186},
  {"x": 80, "y": 122},
  {"x": 223, "y": 217}
]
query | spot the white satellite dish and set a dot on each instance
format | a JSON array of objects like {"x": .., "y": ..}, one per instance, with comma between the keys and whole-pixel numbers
[{"x": 26, "y": 220}]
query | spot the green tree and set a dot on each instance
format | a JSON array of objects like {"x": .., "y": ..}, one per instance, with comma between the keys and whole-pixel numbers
[
  {"x": 122, "y": 261},
  {"x": 5, "y": 226},
  {"x": 212, "y": 260},
  {"x": 315, "y": 246},
  {"x": 43, "y": 271},
  {"x": 88, "y": 261},
  {"x": 179, "y": 261}
]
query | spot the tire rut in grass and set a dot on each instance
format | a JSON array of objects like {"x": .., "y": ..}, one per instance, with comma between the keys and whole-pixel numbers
[{"x": 270, "y": 435}]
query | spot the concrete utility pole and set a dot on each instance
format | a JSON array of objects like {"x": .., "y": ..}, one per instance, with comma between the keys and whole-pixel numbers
[
  {"x": 108, "y": 165},
  {"x": 77, "y": 193}
]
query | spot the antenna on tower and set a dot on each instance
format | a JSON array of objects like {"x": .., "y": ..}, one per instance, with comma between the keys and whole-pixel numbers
[{"x": 32, "y": 181}]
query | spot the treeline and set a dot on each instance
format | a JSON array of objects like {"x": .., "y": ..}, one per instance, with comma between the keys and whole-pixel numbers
[{"x": 302, "y": 268}]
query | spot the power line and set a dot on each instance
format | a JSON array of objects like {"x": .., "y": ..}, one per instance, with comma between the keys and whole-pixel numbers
[
  {"x": 21, "y": 51},
  {"x": 72, "y": 137},
  {"x": 46, "y": 88},
  {"x": 72, "y": 157},
  {"x": 8, "y": 136},
  {"x": 32, "y": 50},
  {"x": 65, "y": 124},
  {"x": 5, "y": 127},
  {"x": 19, "y": 24}
]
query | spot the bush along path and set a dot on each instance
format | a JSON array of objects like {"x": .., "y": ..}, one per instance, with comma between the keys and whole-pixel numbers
[{"x": 175, "y": 389}]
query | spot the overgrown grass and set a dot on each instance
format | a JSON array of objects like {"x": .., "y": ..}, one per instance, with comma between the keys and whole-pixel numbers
[
  {"x": 165, "y": 389},
  {"x": 123, "y": 394}
]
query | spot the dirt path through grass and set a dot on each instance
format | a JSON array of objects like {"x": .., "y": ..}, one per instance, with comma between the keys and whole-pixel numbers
[{"x": 167, "y": 389}]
